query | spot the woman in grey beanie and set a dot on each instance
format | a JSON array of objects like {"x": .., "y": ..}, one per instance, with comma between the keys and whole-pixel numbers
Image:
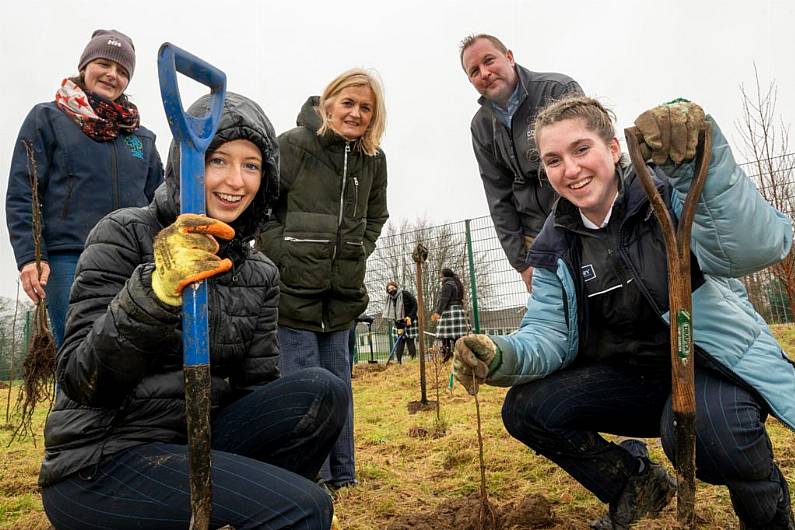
[{"x": 92, "y": 157}]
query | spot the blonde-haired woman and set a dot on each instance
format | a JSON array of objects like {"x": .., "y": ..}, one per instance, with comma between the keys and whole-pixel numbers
[{"x": 331, "y": 207}]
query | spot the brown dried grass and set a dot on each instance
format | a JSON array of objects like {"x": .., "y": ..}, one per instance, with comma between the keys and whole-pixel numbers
[{"x": 413, "y": 472}]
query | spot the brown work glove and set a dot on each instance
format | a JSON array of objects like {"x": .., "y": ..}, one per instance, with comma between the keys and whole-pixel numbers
[
  {"x": 185, "y": 253},
  {"x": 473, "y": 358},
  {"x": 670, "y": 131}
]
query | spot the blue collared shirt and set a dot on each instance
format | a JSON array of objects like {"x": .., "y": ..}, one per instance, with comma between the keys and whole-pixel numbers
[{"x": 505, "y": 114}]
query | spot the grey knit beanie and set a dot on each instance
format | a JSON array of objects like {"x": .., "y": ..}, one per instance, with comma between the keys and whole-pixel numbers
[{"x": 109, "y": 44}]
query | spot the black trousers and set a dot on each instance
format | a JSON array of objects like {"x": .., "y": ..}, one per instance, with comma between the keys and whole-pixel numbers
[
  {"x": 562, "y": 415},
  {"x": 266, "y": 448},
  {"x": 412, "y": 349}
]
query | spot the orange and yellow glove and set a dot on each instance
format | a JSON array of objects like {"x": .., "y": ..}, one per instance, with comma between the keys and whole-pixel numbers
[{"x": 185, "y": 254}]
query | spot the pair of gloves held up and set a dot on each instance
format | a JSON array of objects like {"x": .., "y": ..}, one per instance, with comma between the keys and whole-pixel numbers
[{"x": 669, "y": 133}]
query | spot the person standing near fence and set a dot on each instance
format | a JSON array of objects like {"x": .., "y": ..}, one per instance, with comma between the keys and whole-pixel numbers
[
  {"x": 593, "y": 353},
  {"x": 401, "y": 309},
  {"x": 511, "y": 96},
  {"x": 331, "y": 207},
  {"x": 449, "y": 312},
  {"x": 92, "y": 157}
]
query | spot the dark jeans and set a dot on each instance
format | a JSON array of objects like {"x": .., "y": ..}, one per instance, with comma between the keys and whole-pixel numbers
[
  {"x": 560, "y": 417},
  {"x": 301, "y": 349},
  {"x": 264, "y": 445},
  {"x": 62, "y": 274}
]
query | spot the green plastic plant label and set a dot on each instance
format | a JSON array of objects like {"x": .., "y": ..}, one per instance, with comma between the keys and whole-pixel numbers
[{"x": 684, "y": 338}]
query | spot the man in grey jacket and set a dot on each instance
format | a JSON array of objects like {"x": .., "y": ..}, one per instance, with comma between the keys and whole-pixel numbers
[{"x": 511, "y": 96}]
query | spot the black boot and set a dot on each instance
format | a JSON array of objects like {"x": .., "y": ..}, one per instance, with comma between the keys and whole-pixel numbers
[
  {"x": 447, "y": 351},
  {"x": 646, "y": 493},
  {"x": 782, "y": 520}
]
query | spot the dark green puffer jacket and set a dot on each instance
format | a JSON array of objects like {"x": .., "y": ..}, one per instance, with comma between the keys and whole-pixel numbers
[{"x": 331, "y": 207}]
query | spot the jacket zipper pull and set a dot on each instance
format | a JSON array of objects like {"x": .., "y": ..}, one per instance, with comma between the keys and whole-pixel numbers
[{"x": 355, "y": 195}]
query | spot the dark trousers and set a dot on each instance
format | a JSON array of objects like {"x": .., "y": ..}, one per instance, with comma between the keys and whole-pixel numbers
[
  {"x": 560, "y": 417},
  {"x": 447, "y": 349},
  {"x": 301, "y": 349},
  {"x": 400, "y": 346},
  {"x": 406, "y": 342},
  {"x": 62, "y": 273},
  {"x": 266, "y": 447}
]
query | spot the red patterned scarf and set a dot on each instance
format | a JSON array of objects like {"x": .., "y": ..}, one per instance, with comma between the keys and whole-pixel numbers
[{"x": 99, "y": 118}]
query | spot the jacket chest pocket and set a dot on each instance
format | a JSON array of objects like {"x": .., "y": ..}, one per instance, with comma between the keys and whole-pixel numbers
[{"x": 356, "y": 194}]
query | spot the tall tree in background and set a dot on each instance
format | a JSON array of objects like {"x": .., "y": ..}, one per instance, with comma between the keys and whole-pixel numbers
[{"x": 765, "y": 139}]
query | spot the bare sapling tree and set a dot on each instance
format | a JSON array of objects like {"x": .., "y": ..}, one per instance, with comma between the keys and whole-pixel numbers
[{"x": 765, "y": 144}]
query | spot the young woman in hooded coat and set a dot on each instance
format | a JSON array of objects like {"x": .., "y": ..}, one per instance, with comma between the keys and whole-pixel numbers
[{"x": 116, "y": 454}]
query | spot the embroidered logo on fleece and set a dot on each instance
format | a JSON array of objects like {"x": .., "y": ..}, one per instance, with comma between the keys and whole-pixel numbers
[
  {"x": 135, "y": 144},
  {"x": 588, "y": 273}
]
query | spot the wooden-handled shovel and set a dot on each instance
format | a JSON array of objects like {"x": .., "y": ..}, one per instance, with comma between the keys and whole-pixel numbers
[
  {"x": 194, "y": 135},
  {"x": 677, "y": 245}
]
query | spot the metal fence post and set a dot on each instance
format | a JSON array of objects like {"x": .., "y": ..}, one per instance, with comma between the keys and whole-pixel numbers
[{"x": 473, "y": 284}]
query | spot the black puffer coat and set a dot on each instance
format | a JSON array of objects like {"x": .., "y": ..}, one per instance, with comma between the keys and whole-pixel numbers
[{"x": 120, "y": 367}]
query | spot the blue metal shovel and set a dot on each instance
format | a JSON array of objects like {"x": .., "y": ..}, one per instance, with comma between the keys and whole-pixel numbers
[
  {"x": 194, "y": 135},
  {"x": 392, "y": 353}
]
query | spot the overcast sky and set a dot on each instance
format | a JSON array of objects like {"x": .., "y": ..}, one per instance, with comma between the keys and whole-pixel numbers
[{"x": 632, "y": 55}]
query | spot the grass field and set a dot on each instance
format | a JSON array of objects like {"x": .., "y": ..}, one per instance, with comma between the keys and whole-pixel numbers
[{"x": 418, "y": 472}]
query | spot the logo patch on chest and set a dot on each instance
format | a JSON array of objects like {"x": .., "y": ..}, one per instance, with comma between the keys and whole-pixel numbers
[
  {"x": 135, "y": 144},
  {"x": 588, "y": 273}
]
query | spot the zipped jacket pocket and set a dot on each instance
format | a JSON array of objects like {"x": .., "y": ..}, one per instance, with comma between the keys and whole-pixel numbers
[
  {"x": 303, "y": 240},
  {"x": 306, "y": 263}
]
